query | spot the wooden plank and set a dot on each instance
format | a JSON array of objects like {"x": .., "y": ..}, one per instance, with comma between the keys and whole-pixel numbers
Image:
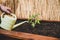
[{"x": 22, "y": 35}]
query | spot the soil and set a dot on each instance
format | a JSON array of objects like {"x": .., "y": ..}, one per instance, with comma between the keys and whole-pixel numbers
[{"x": 44, "y": 28}]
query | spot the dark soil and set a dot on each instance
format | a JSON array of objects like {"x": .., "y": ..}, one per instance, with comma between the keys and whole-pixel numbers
[{"x": 44, "y": 28}]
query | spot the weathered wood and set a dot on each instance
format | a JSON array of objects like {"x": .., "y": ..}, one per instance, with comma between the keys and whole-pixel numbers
[
  {"x": 48, "y": 9},
  {"x": 22, "y": 35}
]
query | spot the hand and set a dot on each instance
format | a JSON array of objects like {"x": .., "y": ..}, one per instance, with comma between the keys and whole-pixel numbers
[{"x": 5, "y": 9}]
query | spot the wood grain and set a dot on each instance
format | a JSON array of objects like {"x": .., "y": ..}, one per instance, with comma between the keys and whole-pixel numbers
[
  {"x": 48, "y": 9},
  {"x": 27, "y": 36}
]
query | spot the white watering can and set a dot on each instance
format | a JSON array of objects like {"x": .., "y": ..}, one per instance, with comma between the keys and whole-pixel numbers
[{"x": 8, "y": 21}]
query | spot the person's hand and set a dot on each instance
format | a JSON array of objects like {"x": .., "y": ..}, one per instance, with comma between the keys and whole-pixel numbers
[{"x": 5, "y": 9}]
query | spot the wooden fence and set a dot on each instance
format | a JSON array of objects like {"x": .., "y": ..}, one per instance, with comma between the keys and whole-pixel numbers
[{"x": 48, "y": 9}]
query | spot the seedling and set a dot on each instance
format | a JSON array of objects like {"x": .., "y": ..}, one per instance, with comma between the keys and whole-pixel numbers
[{"x": 33, "y": 19}]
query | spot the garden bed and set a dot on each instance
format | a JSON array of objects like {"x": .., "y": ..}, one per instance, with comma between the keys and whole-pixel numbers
[{"x": 45, "y": 28}]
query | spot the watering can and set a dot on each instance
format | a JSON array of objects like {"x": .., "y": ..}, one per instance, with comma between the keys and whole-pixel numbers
[{"x": 8, "y": 21}]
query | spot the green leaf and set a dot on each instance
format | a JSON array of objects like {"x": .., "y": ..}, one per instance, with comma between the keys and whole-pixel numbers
[
  {"x": 35, "y": 21},
  {"x": 38, "y": 22},
  {"x": 33, "y": 25},
  {"x": 32, "y": 21}
]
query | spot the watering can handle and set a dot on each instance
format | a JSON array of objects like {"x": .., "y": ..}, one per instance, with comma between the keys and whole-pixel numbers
[
  {"x": 10, "y": 14},
  {"x": 2, "y": 16}
]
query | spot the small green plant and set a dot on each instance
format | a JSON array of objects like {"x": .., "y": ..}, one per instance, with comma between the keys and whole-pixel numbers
[{"x": 33, "y": 19}]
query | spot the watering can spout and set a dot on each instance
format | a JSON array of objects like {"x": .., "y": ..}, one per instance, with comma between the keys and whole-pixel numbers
[
  {"x": 8, "y": 21},
  {"x": 16, "y": 25}
]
